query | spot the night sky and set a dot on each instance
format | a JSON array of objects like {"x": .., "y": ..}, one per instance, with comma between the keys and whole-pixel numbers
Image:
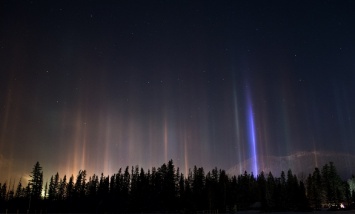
[{"x": 99, "y": 85}]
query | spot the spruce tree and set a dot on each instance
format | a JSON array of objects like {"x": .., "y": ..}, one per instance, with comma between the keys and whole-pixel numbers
[
  {"x": 51, "y": 190},
  {"x": 283, "y": 192},
  {"x": 45, "y": 191},
  {"x": 270, "y": 197},
  {"x": 36, "y": 181},
  {"x": 19, "y": 188},
  {"x": 318, "y": 194},
  {"x": 332, "y": 184},
  {"x": 62, "y": 188},
  {"x": 70, "y": 188},
  {"x": 3, "y": 191},
  {"x": 261, "y": 181}
]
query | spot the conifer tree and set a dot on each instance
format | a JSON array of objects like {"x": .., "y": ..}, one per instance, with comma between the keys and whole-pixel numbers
[
  {"x": 223, "y": 186},
  {"x": 36, "y": 181},
  {"x": 45, "y": 191},
  {"x": 3, "y": 191},
  {"x": 62, "y": 188},
  {"x": 92, "y": 186},
  {"x": 332, "y": 184},
  {"x": 282, "y": 201},
  {"x": 10, "y": 194},
  {"x": 261, "y": 180},
  {"x": 125, "y": 189},
  {"x": 169, "y": 185},
  {"x": 19, "y": 193},
  {"x": 292, "y": 190},
  {"x": 181, "y": 190},
  {"x": 198, "y": 187},
  {"x": 51, "y": 190},
  {"x": 303, "y": 203},
  {"x": 28, "y": 191},
  {"x": 270, "y": 192},
  {"x": 79, "y": 186},
  {"x": 317, "y": 189},
  {"x": 70, "y": 188}
]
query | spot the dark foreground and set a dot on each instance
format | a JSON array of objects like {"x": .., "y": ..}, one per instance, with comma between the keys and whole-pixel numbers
[{"x": 166, "y": 190}]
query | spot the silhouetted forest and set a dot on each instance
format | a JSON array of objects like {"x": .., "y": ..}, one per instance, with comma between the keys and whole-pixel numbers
[{"x": 166, "y": 189}]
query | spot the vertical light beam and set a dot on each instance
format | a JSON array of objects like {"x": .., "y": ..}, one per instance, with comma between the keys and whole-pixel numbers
[
  {"x": 165, "y": 141},
  {"x": 252, "y": 139},
  {"x": 238, "y": 138}
]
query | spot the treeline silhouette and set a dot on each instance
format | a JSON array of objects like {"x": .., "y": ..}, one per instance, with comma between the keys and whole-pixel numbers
[{"x": 166, "y": 189}]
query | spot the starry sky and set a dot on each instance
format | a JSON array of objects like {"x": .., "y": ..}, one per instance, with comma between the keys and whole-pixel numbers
[{"x": 99, "y": 85}]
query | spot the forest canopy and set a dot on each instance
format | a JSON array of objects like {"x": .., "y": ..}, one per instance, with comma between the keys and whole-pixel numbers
[{"x": 166, "y": 189}]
